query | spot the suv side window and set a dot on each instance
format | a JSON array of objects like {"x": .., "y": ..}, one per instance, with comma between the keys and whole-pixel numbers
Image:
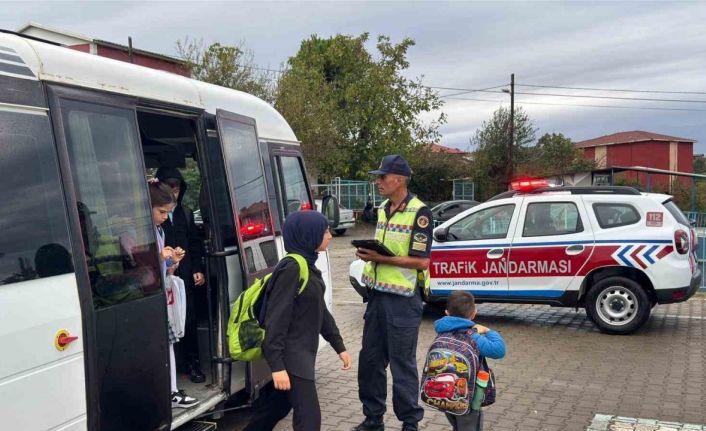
[
  {"x": 552, "y": 218},
  {"x": 613, "y": 215},
  {"x": 676, "y": 213},
  {"x": 489, "y": 223}
]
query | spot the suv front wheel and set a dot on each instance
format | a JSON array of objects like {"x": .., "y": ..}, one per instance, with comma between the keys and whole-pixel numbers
[{"x": 618, "y": 305}]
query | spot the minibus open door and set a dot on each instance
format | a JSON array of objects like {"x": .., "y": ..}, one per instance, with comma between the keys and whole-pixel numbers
[
  {"x": 115, "y": 253},
  {"x": 244, "y": 246}
]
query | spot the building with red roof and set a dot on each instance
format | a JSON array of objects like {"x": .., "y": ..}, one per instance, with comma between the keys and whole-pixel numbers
[
  {"x": 645, "y": 149},
  {"x": 105, "y": 48},
  {"x": 436, "y": 148}
]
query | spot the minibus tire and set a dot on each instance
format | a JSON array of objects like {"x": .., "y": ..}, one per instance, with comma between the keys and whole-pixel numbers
[
  {"x": 618, "y": 305},
  {"x": 339, "y": 232}
]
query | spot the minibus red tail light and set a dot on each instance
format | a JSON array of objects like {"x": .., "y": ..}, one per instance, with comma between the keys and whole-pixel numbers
[
  {"x": 529, "y": 184},
  {"x": 681, "y": 241},
  {"x": 306, "y": 205}
]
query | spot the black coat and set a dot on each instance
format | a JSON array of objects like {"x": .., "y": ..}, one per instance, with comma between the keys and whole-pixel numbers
[
  {"x": 181, "y": 231},
  {"x": 293, "y": 323}
]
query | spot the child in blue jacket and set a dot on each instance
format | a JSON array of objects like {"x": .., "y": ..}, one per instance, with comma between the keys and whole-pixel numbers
[{"x": 460, "y": 312}]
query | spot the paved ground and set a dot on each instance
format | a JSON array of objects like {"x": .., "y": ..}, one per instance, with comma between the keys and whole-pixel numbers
[
  {"x": 559, "y": 372},
  {"x": 620, "y": 423}
]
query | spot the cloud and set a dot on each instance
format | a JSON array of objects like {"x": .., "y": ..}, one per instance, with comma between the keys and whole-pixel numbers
[{"x": 639, "y": 45}]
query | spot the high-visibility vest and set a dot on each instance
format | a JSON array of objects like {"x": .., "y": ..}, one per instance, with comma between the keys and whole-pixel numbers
[{"x": 396, "y": 234}]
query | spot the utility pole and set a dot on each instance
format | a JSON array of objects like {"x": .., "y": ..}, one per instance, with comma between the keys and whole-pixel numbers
[
  {"x": 510, "y": 148},
  {"x": 129, "y": 49}
]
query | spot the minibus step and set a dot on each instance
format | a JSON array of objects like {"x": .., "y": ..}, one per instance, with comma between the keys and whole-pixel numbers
[{"x": 198, "y": 426}]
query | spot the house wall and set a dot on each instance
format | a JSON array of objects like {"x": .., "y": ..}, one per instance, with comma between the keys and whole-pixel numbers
[
  {"x": 142, "y": 60},
  {"x": 674, "y": 156},
  {"x": 84, "y": 47},
  {"x": 589, "y": 153},
  {"x": 60, "y": 38}
]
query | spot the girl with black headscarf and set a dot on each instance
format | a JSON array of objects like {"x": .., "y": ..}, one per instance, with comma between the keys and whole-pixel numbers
[{"x": 293, "y": 323}]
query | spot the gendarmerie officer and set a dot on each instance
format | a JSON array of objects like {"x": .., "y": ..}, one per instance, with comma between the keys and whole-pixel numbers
[{"x": 394, "y": 310}]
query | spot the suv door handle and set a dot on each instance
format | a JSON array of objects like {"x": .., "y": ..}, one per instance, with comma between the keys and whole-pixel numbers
[
  {"x": 574, "y": 249},
  {"x": 495, "y": 253}
]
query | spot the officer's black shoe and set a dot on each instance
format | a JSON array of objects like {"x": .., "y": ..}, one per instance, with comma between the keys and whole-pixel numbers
[
  {"x": 371, "y": 424},
  {"x": 409, "y": 427},
  {"x": 195, "y": 373}
]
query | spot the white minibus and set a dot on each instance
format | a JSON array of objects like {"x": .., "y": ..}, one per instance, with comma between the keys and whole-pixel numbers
[{"x": 83, "y": 326}]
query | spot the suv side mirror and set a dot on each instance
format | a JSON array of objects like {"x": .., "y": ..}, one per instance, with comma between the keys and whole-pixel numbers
[{"x": 441, "y": 234}]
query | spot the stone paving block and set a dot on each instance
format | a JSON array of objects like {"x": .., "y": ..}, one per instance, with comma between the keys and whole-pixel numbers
[{"x": 553, "y": 354}]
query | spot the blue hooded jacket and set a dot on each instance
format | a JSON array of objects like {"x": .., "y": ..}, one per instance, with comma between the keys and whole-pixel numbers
[{"x": 491, "y": 345}]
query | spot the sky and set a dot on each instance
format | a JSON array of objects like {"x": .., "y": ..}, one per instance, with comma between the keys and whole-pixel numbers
[{"x": 646, "y": 46}]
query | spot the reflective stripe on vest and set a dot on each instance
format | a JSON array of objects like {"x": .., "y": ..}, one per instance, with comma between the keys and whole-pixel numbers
[{"x": 396, "y": 234}]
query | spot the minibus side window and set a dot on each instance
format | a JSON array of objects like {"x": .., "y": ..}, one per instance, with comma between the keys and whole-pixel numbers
[
  {"x": 113, "y": 207},
  {"x": 296, "y": 196},
  {"x": 219, "y": 189},
  {"x": 34, "y": 238},
  {"x": 248, "y": 183}
]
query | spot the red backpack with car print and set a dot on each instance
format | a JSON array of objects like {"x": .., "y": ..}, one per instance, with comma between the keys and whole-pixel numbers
[{"x": 448, "y": 379}]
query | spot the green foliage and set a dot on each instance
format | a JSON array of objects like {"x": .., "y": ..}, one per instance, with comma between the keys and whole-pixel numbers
[
  {"x": 490, "y": 168},
  {"x": 699, "y": 164},
  {"x": 433, "y": 173},
  {"x": 193, "y": 179},
  {"x": 350, "y": 108},
  {"x": 556, "y": 154},
  {"x": 192, "y": 176},
  {"x": 227, "y": 66}
]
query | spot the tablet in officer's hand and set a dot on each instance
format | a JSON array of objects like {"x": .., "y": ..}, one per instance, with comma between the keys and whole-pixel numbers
[{"x": 374, "y": 245}]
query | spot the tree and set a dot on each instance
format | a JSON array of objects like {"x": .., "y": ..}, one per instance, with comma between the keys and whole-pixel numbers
[
  {"x": 227, "y": 66},
  {"x": 699, "y": 164},
  {"x": 491, "y": 143},
  {"x": 349, "y": 108},
  {"x": 556, "y": 154},
  {"x": 433, "y": 173}
]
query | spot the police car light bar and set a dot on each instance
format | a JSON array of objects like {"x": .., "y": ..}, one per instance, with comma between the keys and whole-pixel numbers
[{"x": 526, "y": 185}]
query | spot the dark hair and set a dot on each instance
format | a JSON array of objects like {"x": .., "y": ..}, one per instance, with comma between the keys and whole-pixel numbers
[
  {"x": 173, "y": 182},
  {"x": 160, "y": 193},
  {"x": 461, "y": 304}
]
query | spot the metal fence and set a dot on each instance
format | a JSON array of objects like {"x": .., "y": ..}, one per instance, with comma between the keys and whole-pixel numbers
[
  {"x": 698, "y": 219},
  {"x": 352, "y": 194},
  {"x": 463, "y": 189}
]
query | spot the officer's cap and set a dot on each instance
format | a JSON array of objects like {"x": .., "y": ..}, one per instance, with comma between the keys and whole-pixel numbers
[{"x": 393, "y": 164}]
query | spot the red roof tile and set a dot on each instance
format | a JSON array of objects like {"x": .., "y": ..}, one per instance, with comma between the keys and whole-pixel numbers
[
  {"x": 436, "y": 148},
  {"x": 628, "y": 137}
]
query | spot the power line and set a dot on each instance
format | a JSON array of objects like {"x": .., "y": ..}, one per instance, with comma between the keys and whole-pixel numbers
[
  {"x": 261, "y": 68},
  {"x": 586, "y": 106},
  {"x": 612, "y": 89},
  {"x": 586, "y": 96},
  {"x": 465, "y": 90},
  {"x": 582, "y": 96}
]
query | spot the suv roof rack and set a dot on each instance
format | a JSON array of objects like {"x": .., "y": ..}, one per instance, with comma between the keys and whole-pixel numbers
[{"x": 599, "y": 190}]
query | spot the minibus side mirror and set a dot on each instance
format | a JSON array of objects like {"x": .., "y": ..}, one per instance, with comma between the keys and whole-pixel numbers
[
  {"x": 329, "y": 208},
  {"x": 441, "y": 234}
]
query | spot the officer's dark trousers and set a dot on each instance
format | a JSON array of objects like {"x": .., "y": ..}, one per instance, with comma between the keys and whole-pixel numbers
[
  {"x": 390, "y": 337},
  {"x": 302, "y": 397}
]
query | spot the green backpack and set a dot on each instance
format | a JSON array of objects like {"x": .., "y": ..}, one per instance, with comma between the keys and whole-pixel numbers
[{"x": 245, "y": 335}]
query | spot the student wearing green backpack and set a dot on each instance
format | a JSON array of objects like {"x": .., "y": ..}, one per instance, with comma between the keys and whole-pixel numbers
[{"x": 293, "y": 320}]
